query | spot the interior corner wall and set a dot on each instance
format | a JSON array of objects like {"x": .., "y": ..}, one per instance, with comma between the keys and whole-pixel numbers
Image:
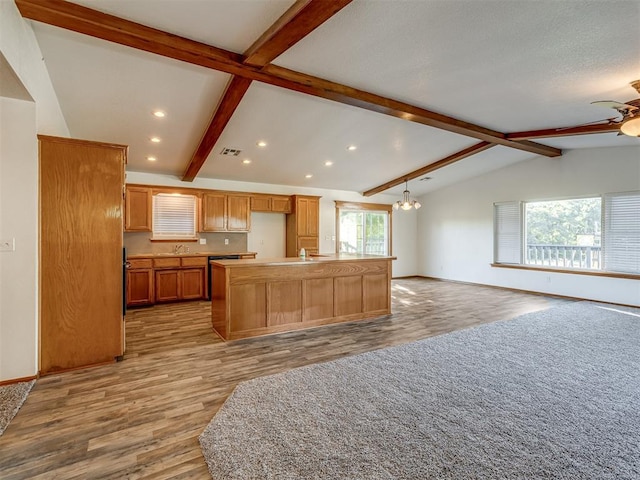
[
  {"x": 18, "y": 222},
  {"x": 21, "y": 122},
  {"x": 455, "y": 225}
]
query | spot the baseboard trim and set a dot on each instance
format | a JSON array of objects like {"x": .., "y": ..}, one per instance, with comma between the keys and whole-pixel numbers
[
  {"x": 519, "y": 290},
  {"x": 17, "y": 380}
]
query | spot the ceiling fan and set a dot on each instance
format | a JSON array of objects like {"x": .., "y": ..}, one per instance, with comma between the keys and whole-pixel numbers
[{"x": 630, "y": 111}]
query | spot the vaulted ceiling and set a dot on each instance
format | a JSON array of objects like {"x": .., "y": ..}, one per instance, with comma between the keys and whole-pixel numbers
[{"x": 413, "y": 85}]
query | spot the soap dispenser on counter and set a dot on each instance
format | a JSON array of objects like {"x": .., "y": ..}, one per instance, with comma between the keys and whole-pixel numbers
[{"x": 303, "y": 254}]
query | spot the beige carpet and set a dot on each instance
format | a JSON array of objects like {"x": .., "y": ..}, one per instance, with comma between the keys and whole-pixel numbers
[
  {"x": 11, "y": 399},
  {"x": 549, "y": 395}
]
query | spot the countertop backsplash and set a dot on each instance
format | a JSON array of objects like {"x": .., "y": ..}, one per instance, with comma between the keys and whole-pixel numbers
[{"x": 139, "y": 243}]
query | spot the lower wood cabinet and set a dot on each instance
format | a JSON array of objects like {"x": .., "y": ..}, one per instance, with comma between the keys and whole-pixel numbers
[
  {"x": 183, "y": 284},
  {"x": 139, "y": 287}
]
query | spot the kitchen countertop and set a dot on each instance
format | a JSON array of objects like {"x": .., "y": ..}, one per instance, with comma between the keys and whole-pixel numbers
[
  {"x": 192, "y": 254},
  {"x": 323, "y": 258}
]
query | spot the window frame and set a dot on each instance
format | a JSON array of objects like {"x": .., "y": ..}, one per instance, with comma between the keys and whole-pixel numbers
[
  {"x": 364, "y": 207},
  {"x": 603, "y": 272},
  {"x": 161, "y": 237}
]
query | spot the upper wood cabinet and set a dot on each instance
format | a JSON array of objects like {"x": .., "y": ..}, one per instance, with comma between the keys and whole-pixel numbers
[
  {"x": 303, "y": 225},
  {"x": 271, "y": 203},
  {"x": 137, "y": 210},
  {"x": 225, "y": 212},
  {"x": 214, "y": 212}
]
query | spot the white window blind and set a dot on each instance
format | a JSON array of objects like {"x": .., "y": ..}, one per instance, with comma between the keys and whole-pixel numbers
[
  {"x": 622, "y": 232},
  {"x": 174, "y": 216},
  {"x": 507, "y": 235}
]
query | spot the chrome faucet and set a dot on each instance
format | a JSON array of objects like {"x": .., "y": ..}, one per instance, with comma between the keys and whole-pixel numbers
[{"x": 177, "y": 248}]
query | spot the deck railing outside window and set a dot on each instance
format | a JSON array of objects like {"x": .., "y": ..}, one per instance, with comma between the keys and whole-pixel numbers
[{"x": 565, "y": 256}]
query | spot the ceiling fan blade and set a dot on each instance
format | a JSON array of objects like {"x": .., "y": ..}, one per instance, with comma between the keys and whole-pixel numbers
[
  {"x": 606, "y": 121},
  {"x": 613, "y": 104}
]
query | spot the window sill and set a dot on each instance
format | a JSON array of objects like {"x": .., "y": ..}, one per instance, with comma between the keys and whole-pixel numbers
[
  {"x": 172, "y": 240},
  {"x": 595, "y": 273}
]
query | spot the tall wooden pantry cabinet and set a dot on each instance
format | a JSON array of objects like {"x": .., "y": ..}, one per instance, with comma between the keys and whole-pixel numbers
[{"x": 81, "y": 253}]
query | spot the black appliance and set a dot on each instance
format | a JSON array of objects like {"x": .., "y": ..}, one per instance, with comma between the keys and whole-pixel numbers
[{"x": 216, "y": 257}]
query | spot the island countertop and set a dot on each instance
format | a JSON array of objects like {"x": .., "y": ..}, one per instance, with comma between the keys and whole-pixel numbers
[
  {"x": 281, "y": 261},
  {"x": 273, "y": 295}
]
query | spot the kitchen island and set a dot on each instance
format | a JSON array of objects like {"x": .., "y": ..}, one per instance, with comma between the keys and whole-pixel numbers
[{"x": 265, "y": 296}]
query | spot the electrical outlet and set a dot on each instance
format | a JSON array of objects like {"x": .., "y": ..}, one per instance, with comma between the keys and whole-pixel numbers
[
  {"x": 8, "y": 245},
  {"x": 226, "y": 241},
  {"x": 203, "y": 241}
]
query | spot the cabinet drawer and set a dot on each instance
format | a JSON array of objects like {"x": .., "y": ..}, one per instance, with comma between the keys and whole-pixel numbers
[
  {"x": 140, "y": 263},
  {"x": 194, "y": 261},
  {"x": 166, "y": 262}
]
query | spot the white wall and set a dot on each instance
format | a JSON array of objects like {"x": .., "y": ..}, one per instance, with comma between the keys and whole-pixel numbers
[
  {"x": 455, "y": 225},
  {"x": 404, "y": 224},
  {"x": 20, "y": 122},
  {"x": 268, "y": 235},
  {"x": 18, "y": 220}
]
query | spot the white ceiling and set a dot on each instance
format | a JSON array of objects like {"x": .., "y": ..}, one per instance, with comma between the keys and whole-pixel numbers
[{"x": 502, "y": 64}]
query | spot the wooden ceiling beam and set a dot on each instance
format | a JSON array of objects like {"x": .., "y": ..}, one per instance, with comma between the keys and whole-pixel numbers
[
  {"x": 565, "y": 131},
  {"x": 297, "y": 22},
  {"x": 432, "y": 167},
  {"x": 236, "y": 89},
  {"x": 114, "y": 29}
]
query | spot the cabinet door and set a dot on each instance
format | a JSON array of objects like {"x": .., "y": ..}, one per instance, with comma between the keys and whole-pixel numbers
[
  {"x": 281, "y": 204},
  {"x": 261, "y": 203},
  {"x": 167, "y": 285},
  {"x": 302, "y": 215},
  {"x": 313, "y": 213},
  {"x": 140, "y": 287},
  {"x": 192, "y": 280},
  {"x": 137, "y": 210},
  {"x": 238, "y": 213},
  {"x": 214, "y": 212}
]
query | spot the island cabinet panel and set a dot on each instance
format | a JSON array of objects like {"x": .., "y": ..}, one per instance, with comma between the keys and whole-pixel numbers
[
  {"x": 251, "y": 312},
  {"x": 284, "y": 302},
  {"x": 348, "y": 295},
  {"x": 255, "y": 297},
  {"x": 318, "y": 299},
  {"x": 375, "y": 292}
]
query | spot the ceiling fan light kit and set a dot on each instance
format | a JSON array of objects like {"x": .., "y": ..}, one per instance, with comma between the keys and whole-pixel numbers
[
  {"x": 631, "y": 127},
  {"x": 630, "y": 111}
]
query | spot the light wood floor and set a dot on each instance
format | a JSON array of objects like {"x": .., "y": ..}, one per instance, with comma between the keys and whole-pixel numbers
[{"x": 140, "y": 418}]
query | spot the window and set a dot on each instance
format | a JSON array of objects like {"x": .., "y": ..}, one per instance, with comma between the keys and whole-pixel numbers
[
  {"x": 363, "y": 228},
  {"x": 597, "y": 233},
  {"x": 174, "y": 216}
]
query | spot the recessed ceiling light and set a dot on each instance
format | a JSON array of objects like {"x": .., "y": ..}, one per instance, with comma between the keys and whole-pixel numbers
[
  {"x": 159, "y": 114},
  {"x": 246, "y": 161},
  {"x": 308, "y": 175},
  {"x": 351, "y": 148},
  {"x": 328, "y": 163},
  {"x": 155, "y": 139},
  {"x": 152, "y": 159},
  {"x": 262, "y": 143}
]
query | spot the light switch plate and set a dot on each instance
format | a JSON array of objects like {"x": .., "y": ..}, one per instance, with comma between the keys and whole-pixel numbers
[
  {"x": 8, "y": 245},
  {"x": 203, "y": 241},
  {"x": 226, "y": 241}
]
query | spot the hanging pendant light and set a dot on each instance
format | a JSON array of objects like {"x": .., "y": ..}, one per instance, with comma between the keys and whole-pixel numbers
[{"x": 406, "y": 203}]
